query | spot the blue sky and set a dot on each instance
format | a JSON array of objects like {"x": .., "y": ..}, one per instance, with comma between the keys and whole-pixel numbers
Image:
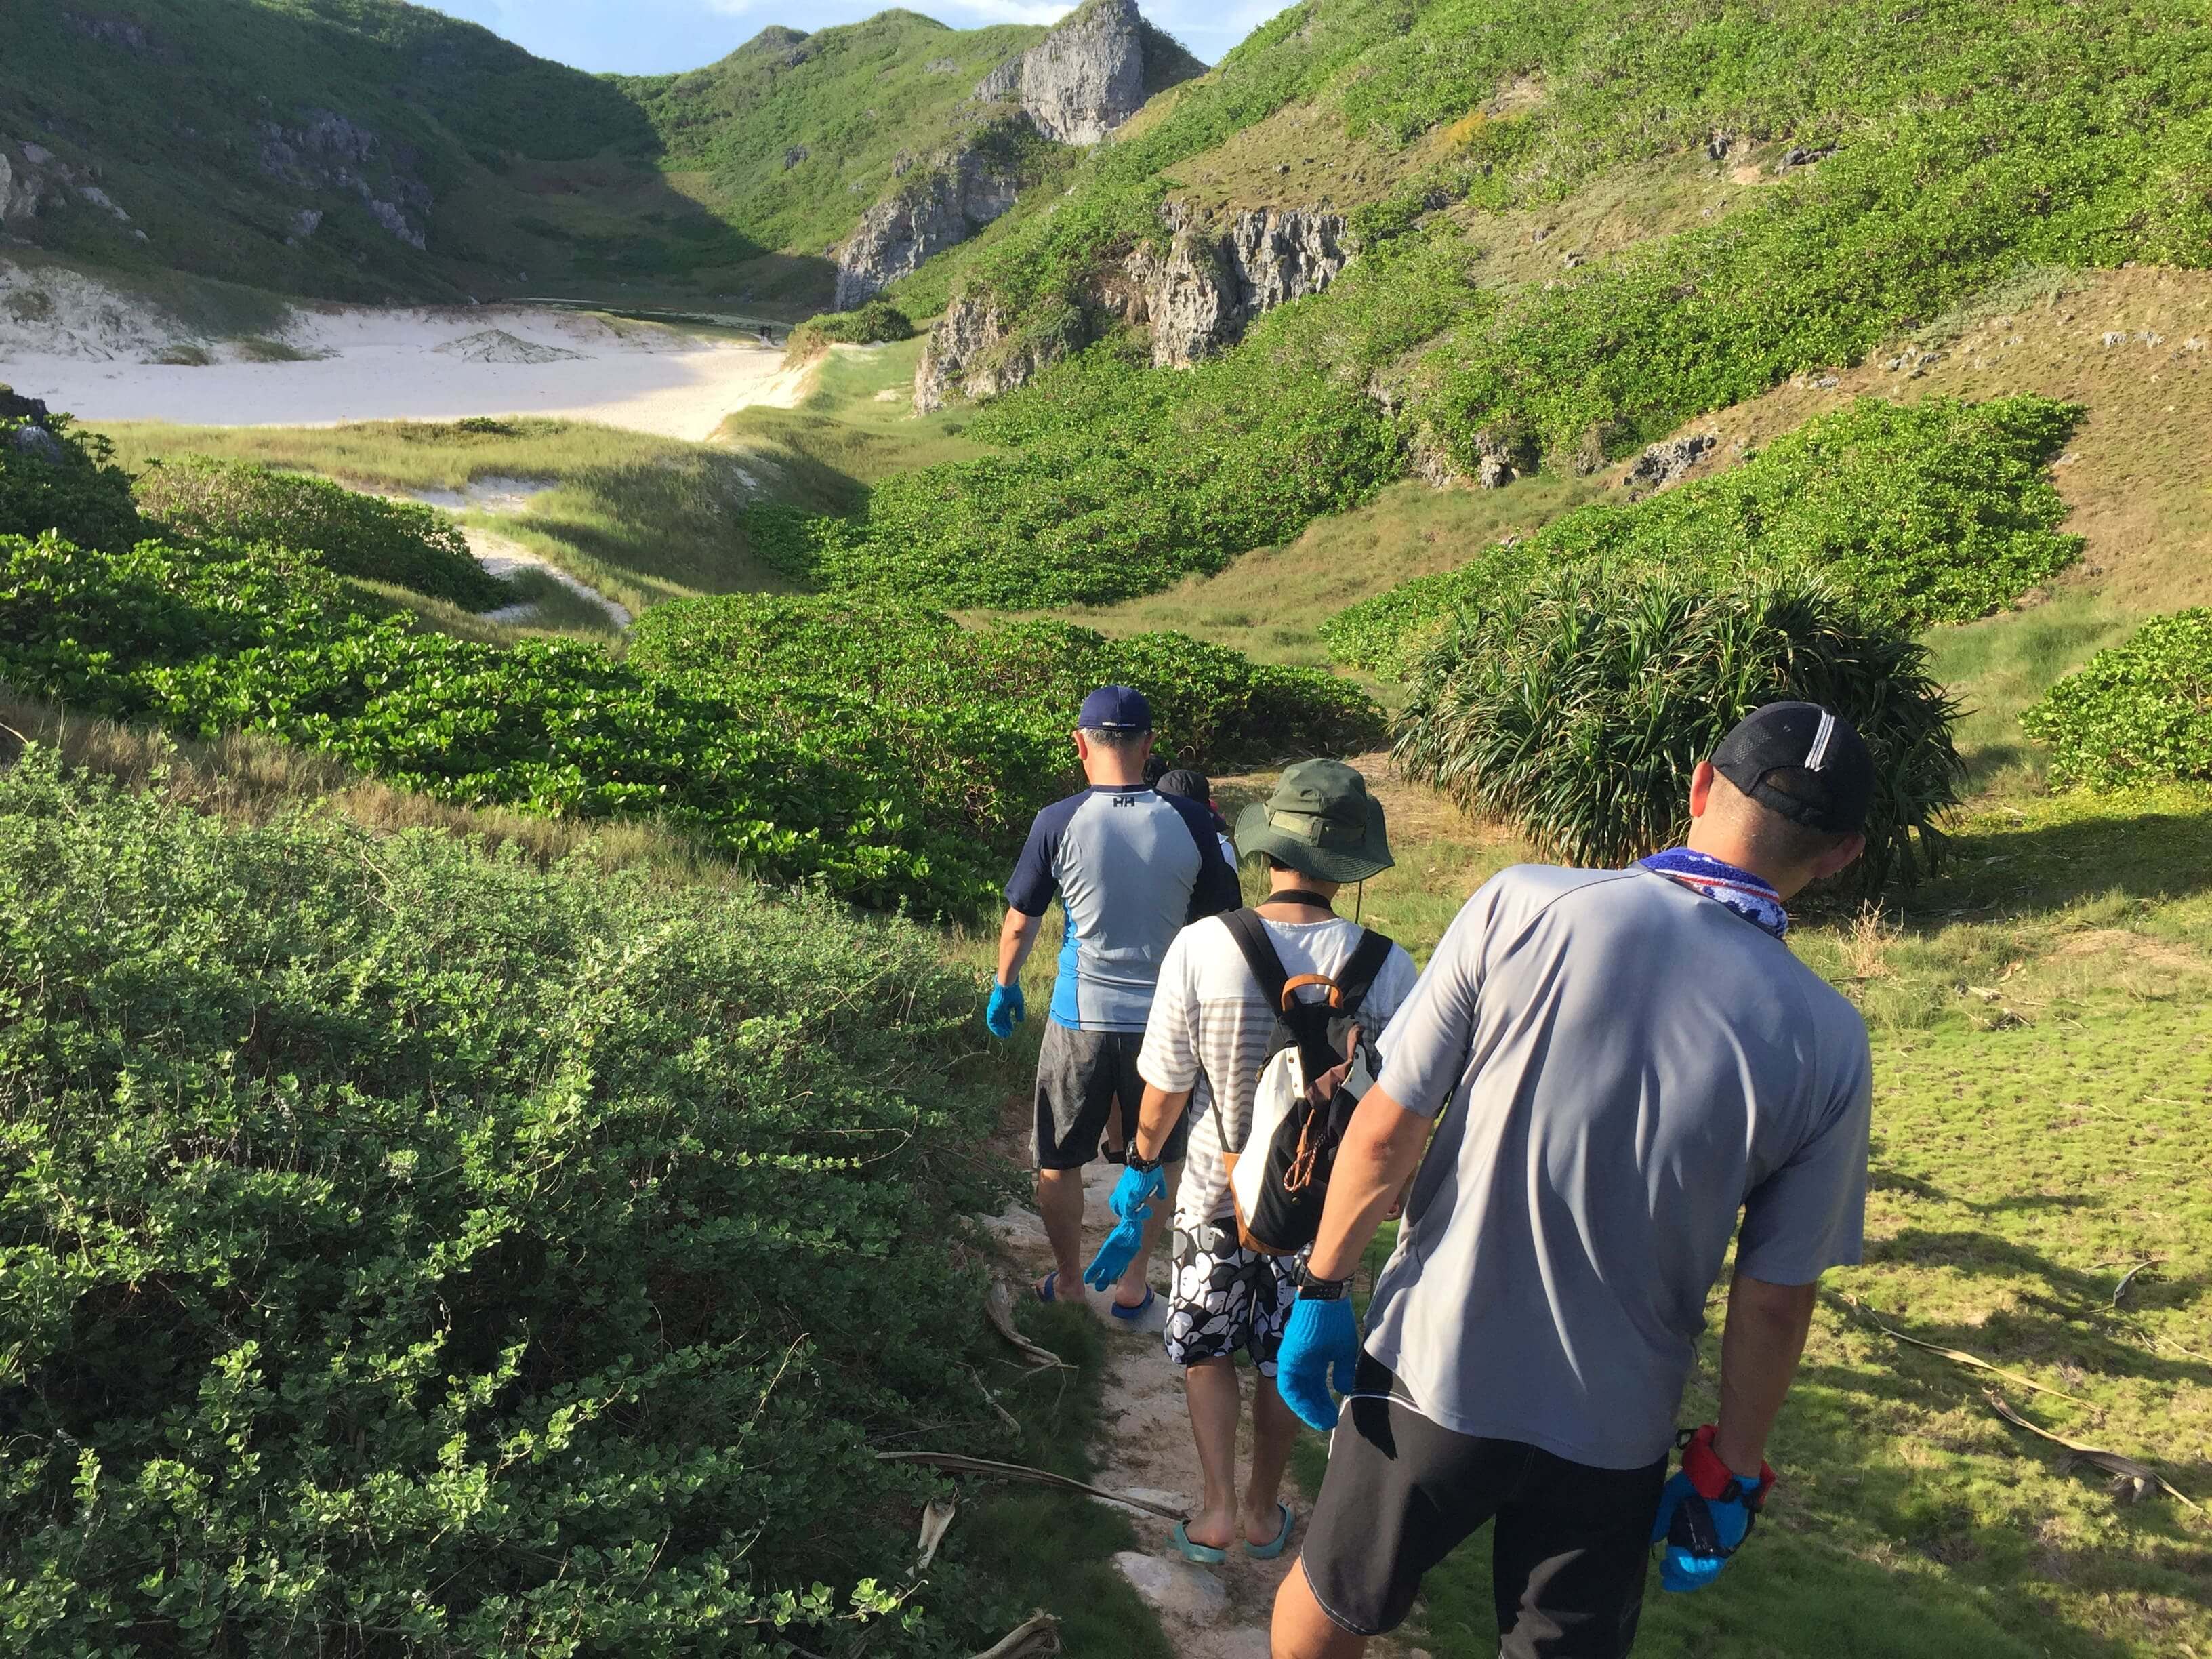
[{"x": 645, "y": 37}]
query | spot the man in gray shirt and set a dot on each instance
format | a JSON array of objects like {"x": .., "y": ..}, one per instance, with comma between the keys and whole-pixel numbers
[{"x": 1614, "y": 1063}]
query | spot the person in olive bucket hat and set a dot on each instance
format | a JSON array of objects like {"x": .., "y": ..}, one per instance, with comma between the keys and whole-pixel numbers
[{"x": 1209, "y": 1033}]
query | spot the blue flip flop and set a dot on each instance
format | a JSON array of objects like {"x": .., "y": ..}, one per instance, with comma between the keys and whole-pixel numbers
[
  {"x": 1269, "y": 1551},
  {"x": 1048, "y": 1291},
  {"x": 1205, "y": 1554},
  {"x": 1137, "y": 1312}
]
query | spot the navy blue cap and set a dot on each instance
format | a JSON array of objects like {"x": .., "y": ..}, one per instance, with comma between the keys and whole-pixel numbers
[
  {"x": 1833, "y": 772},
  {"x": 1115, "y": 709}
]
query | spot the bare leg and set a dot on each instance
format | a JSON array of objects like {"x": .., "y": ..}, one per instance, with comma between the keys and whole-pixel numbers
[
  {"x": 1214, "y": 1405},
  {"x": 1129, "y": 1289},
  {"x": 1302, "y": 1630},
  {"x": 1274, "y": 1428},
  {"x": 1059, "y": 1202}
]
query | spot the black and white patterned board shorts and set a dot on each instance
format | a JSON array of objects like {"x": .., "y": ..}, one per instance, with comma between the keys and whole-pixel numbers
[{"x": 1226, "y": 1298}]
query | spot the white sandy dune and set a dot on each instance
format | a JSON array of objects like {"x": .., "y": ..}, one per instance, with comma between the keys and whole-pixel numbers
[{"x": 85, "y": 348}]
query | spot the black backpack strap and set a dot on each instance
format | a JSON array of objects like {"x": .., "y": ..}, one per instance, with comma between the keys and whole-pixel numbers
[
  {"x": 1251, "y": 936},
  {"x": 1358, "y": 977}
]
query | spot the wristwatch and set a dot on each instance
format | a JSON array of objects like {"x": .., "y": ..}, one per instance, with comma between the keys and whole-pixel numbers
[
  {"x": 1141, "y": 1165},
  {"x": 1322, "y": 1290}
]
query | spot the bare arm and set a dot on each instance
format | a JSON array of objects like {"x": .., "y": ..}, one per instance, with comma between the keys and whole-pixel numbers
[
  {"x": 1382, "y": 1149},
  {"x": 1156, "y": 1118},
  {"x": 1759, "y": 1348},
  {"x": 1015, "y": 940}
]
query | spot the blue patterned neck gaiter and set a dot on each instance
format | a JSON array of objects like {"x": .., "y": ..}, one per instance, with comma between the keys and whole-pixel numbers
[{"x": 1748, "y": 896}]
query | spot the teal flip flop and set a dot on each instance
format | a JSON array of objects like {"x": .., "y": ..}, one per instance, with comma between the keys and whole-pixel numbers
[
  {"x": 1269, "y": 1551},
  {"x": 1137, "y": 1312},
  {"x": 1205, "y": 1554}
]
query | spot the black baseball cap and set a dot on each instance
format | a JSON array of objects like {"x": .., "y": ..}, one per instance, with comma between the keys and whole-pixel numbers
[
  {"x": 1802, "y": 736},
  {"x": 1115, "y": 709}
]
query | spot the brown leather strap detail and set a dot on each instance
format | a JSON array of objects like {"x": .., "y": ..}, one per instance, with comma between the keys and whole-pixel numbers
[{"x": 1292, "y": 986}]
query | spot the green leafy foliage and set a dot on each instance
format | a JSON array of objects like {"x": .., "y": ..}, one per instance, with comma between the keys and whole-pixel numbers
[
  {"x": 2138, "y": 712},
  {"x": 876, "y": 321},
  {"x": 413, "y": 1252},
  {"x": 402, "y": 543},
  {"x": 900, "y": 767},
  {"x": 1934, "y": 511},
  {"x": 83, "y": 495},
  {"x": 1576, "y": 710}
]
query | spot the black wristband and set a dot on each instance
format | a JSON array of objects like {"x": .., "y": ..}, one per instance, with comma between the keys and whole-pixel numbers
[
  {"x": 1322, "y": 1290},
  {"x": 1130, "y": 1160}
]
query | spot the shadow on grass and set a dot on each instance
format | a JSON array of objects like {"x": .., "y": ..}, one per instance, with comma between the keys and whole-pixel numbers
[{"x": 2098, "y": 847}]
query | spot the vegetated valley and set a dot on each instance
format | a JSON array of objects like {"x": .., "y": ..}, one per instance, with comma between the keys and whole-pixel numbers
[{"x": 494, "y": 1108}]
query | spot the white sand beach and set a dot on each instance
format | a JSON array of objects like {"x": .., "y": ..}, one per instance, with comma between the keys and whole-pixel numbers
[{"x": 91, "y": 352}]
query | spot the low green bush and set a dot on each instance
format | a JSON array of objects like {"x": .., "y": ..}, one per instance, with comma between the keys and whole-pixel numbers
[
  {"x": 1576, "y": 710},
  {"x": 895, "y": 766},
  {"x": 81, "y": 493},
  {"x": 1934, "y": 511},
  {"x": 412, "y": 1252},
  {"x": 2136, "y": 712},
  {"x": 403, "y": 542},
  {"x": 876, "y": 321}
]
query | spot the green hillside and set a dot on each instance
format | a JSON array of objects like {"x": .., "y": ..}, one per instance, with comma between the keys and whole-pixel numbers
[{"x": 370, "y": 149}]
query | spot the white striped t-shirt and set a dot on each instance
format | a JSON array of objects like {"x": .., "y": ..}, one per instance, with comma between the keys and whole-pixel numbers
[{"x": 1211, "y": 1026}]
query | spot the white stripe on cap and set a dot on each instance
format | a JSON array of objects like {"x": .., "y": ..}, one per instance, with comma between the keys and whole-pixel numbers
[{"x": 1819, "y": 750}]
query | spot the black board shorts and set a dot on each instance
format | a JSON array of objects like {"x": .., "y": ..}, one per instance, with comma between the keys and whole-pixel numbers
[
  {"x": 1080, "y": 1076},
  {"x": 1569, "y": 1551}
]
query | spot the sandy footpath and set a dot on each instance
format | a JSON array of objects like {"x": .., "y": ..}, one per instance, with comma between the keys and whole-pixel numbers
[{"x": 85, "y": 348}]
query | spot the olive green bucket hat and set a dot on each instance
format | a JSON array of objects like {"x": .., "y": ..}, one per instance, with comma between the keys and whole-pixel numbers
[{"x": 1321, "y": 821}]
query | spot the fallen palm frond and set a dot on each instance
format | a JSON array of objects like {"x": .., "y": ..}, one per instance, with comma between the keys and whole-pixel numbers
[
  {"x": 998, "y": 1309},
  {"x": 1957, "y": 1356},
  {"x": 962, "y": 1463},
  {"x": 2129, "y": 1278},
  {"x": 2139, "y": 1476},
  {"x": 1037, "y": 1638}
]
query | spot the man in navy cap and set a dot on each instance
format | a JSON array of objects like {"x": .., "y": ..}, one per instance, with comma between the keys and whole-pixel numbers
[
  {"x": 1130, "y": 867},
  {"x": 1615, "y": 1066}
]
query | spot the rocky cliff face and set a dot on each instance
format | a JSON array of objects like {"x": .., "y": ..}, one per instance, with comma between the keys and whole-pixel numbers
[
  {"x": 1087, "y": 76},
  {"x": 1196, "y": 298},
  {"x": 1200, "y": 295},
  {"x": 329, "y": 152},
  {"x": 956, "y": 197}
]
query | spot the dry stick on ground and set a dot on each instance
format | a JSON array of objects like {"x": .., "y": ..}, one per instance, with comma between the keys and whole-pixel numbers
[
  {"x": 2126, "y": 1467},
  {"x": 1958, "y": 1356},
  {"x": 998, "y": 1309},
  {"x": 962, "y": 1462},
  {"x": 2129, "y": 1278},
  {"x": 1037, "y": 1638}
]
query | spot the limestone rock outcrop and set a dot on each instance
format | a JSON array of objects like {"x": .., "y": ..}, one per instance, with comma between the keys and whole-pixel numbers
[
  {"x": 930, "y": 211},
  {"x": 1667, "y": 463},
  {"x": 329, "y": 152},
  {"x": 970, "y": 352},
  {"x": 1087, "y": 76},
  {"x": 1214, "y": 278}
]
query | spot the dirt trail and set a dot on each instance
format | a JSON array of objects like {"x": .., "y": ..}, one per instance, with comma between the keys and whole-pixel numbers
[
  {"x": 1208, "y": 1612},
  {"x": 502, "y": 558}
]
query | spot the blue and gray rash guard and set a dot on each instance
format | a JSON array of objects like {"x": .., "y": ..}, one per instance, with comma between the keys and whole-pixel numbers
[{"x": 1130, "y": 867}]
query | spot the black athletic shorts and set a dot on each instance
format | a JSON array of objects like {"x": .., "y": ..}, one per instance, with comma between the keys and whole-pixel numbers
[
  {"x": 1569, "y": 1551},
  {"x": 1080, "y": 1076}
]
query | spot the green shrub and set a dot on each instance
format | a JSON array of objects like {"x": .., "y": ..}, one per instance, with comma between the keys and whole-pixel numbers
[
  {"x": 1926, "y": 512},
  {"x": 413, "y": 1253},
  {"x": 1575, "y": 710},
  {"x": 898, "y": 764},
  {"x": 876, "y": 321},
  {"x": 403, "y": 542},
  {"x": 2136, "y": 712},
  {"x": 84, "y": 496}
]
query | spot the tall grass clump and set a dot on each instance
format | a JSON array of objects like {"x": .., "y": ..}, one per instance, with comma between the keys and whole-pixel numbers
[
  {"x": 2136, "y": 712},
  {"x": 1934, "y": 511},
  {"x": 402, "y": 543},
  {"x": 872, "y": 323},
  {"x": 415, "y": 1252},
  {"x": 1576, "y": 709}
]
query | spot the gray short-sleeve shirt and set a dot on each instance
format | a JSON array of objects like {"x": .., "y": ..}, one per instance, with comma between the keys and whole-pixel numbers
[{"x": 1620, "y": 1065}]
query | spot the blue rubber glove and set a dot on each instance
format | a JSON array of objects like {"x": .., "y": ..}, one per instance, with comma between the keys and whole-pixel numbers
[
  {"x": 1132, "y": 1202},
  {"x": 1004, "y": 1011},
  {"x": 1136, "y": 1189},
  {"x": 1321, "y": 1336},
  {"x": 1706, "y": 1512}
]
